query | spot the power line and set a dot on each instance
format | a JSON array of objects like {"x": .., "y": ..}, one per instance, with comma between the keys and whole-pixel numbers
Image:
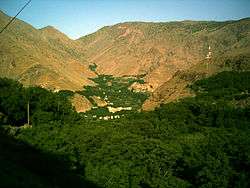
[
  {"x": 14, "y": 17},
  {"x": 5, "y": 27}
]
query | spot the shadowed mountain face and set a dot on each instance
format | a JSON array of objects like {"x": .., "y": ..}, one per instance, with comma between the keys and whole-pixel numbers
[{"x": 159, "y": 51}]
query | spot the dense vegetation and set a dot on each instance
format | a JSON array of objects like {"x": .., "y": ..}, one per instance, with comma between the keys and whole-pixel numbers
[
  {"x": 115, "y": 91},
  {"x": 45, "y": 105},
  {"x": 197, "y": 142},
  {"x": 24, "y": 166}
]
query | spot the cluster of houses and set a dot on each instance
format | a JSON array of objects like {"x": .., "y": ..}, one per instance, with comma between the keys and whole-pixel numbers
[
  {"x": 106, "y": 117},
  {"x": 110, "y": 117},
  {"x": 112, "y": 110},
  {"x": 118, "y": 109}
]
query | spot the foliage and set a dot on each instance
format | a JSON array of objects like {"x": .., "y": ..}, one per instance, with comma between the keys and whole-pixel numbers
[
  {"x": 225, "y": 85},
  {"x": 197, "y": 142},
  {"x": 93, "y": 67},
  {"x": 44, "y": 105},
  {"x": 115, "y": 91},
  {"x": 24, "y": 166}
]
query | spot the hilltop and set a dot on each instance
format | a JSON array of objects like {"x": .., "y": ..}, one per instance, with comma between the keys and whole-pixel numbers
[{"x": 43, "y": 57}]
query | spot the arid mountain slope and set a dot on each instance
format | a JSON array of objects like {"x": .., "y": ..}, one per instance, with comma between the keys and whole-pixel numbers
[
  {"x": 43, "y": 57},
  {"x": 160, "y": 53},
  {"x": 235, "y": 58},
  {"x": 158, "y": 50}
]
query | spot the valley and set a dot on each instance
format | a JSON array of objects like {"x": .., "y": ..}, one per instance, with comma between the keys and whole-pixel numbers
[
  {"x": 157, "y": 52},
  {"x": 112, "y": 97},
  {"x": 131, "y": 105},
  {"x": 207, "y": 135}
]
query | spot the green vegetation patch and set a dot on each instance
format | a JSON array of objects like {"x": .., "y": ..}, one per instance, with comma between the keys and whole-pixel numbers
[
  {"x": 115, "y": 91},
  {"x": 201, "y": 141}
]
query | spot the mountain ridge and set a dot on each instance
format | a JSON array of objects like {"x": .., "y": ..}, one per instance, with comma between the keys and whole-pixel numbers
[
  {"x": 155, "y": 50},
  {"x": 30, "y": 47}
]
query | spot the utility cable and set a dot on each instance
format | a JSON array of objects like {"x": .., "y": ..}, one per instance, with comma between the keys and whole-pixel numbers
[{"x": 14, "y": 17}]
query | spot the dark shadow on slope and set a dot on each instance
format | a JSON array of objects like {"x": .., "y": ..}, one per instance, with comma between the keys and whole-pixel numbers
[{"x": 21, "y": 165}]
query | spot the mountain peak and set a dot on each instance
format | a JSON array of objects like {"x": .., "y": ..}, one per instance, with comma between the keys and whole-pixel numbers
[
  {"x": 52, "y": 32},
  {"x": 49, "y": 27}
]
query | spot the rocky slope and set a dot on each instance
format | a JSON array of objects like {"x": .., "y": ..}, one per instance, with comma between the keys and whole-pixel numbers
[
  {"x": 160, "y": 53},
  {"x": 159, "y": 50},
  {"x": 43, "y": 57}
]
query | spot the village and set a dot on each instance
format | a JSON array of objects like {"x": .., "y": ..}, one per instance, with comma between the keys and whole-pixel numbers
[{"x": 112, "y": 97}]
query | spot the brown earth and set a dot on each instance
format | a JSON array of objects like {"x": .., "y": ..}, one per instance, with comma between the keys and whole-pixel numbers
[
  {"x": 160, "y": 52},
  {"x": 81, "y": 103}
]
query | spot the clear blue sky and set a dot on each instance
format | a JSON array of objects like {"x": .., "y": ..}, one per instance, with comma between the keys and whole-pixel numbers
[{"x": 80, "y": 17}]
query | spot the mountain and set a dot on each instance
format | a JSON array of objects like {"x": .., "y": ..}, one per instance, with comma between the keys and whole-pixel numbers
[
  {"x": 44, "y": 57},
  {"x": 162, "y": 54},
  {"x": 232, "y": 44},
  {"x": 170, "y": 55},
  {"x": 159, "y": 50}
]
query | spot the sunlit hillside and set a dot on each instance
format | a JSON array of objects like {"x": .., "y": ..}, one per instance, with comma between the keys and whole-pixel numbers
[{"x": 124, "y": 94}]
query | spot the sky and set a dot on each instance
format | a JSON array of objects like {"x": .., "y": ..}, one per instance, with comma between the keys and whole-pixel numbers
[{"x": 77, "y": 18}]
